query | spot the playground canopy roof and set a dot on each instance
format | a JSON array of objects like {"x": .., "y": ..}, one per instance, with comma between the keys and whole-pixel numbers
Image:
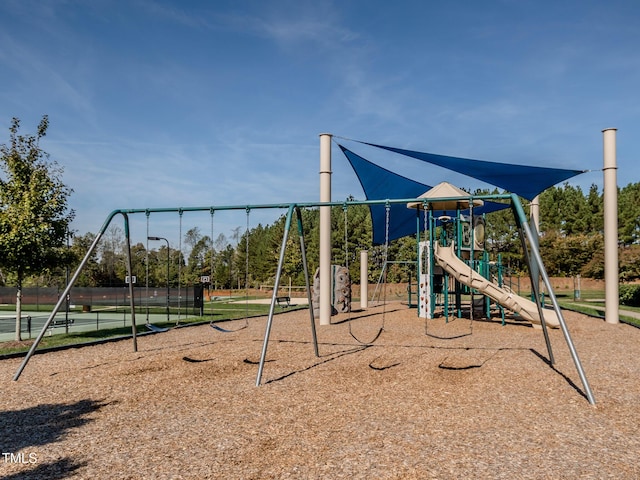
[
  {"x": 523, "y": 180},
  {"x": 379, "y": 183}
]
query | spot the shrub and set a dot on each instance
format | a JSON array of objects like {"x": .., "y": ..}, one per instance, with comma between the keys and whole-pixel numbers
[{"x": 630, "y": 295}]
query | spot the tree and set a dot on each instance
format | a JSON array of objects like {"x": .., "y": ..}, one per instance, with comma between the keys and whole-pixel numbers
[
  {"x": 502, "y": 237},
  {"x": 91, "y": 275},
  {"x": 570, "y": 254},
  {"x": 113, "y": 257},
  {"x": 34, "y": 216},
  {"x": 197, "y": 264},
  {"x": 218, "y": 277},
  {"x": 629, "y": 214},
  {"x": 191, "y": 238},
  {"x": 595, "y": 204}
]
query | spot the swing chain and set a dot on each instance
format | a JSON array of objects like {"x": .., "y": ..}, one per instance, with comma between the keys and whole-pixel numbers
[
  {"x": 211, "y": 211},
  {"x": 387, "y": 209},
  {"x": 246, "y": 272},
  {"x": 384, "y": 276},
  {"x": 425, "y": 206},
  {"x": 346, "y": 241},
  {"x": 213, "y": 324}
]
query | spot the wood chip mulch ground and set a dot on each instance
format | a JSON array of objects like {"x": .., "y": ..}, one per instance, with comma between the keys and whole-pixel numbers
[{"x": 455, "y": 400}]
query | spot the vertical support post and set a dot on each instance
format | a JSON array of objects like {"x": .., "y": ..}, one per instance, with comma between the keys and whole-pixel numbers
[
  {"x": 364, "y": 279},
  {"x": 431, "y": 305},
  {"x": 325, "y": 229},
  {"x": 418, "y": 240},
  {"x": 472, "y": 256},
  {"x": 610, "y": 227},
  {"x": 305, "y": 267},
  {"x": 168, "y": 284},
  {"x": 66, "y": 278},
  {"x": 146, "y": 269},
  {"x": 501, "y": 284},
  {"x": 180, "y": 212},
  {"x": 127, "y": 238}
]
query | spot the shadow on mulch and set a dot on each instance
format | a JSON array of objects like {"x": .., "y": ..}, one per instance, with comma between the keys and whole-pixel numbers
[
  {"x": 571, "y": 383},
  {"x": 331, "y": 358},
  {"x": 39, "y": 426},
  {"x": 51, "y": 471}
]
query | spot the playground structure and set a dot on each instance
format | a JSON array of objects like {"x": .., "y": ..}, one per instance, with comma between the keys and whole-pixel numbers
[
  {"x": 443, "y": 255},
  {"x": 464, "y": 274},
  {"x": 454, "y": 254}
]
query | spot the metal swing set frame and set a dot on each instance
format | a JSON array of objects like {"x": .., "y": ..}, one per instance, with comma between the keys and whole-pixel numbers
[{"x": 525, "y": 229}]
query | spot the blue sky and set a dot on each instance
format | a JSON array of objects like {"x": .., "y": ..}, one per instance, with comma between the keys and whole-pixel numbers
[{"x": 195, "y": 103}]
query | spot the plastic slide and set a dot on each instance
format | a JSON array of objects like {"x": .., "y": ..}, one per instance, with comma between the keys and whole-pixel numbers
[{"x": 527, "y": 309}]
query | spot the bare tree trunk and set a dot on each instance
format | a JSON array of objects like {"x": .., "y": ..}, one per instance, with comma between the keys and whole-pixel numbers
[{"x": 19, "y": 313}]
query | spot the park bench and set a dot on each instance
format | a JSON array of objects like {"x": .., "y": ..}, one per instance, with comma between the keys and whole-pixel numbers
[{"x": 60, "y": 322}]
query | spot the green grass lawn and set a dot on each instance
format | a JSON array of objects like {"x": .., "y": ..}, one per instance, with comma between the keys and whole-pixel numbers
[
  {"x": 218, "y": 311},
  {"x": 591, "y": 302},
  {"x": 596, "y": 309},
  {"x": 59, "y": 340}
]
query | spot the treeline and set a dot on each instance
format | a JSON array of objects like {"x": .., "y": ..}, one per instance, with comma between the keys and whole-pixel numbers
[
  {"x": 230, "y": 262},
  {"x": 572, "y": 233},
  {"x": 571, "y": 243}
]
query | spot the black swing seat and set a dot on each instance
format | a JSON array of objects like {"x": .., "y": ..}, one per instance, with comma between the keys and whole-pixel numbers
[
  {"x": 227, "y": 330},
  {"x": 219, "y": 328},
  {"x": 283, "y": 301},
  {"x": 155, "y": 328}
]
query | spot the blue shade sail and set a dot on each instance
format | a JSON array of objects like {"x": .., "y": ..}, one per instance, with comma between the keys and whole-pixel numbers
[
  {"x": 523, "y": 180},
  {"x": 380, "y": 184}
]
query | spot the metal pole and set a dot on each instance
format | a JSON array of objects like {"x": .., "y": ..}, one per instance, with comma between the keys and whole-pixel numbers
[
  {"x": 418, "y": 240},
  {"x": 534, "y": 214},
  {"x": 168, "y": 265},
  {"x": 325, "y": 229},
  {"x": 168, "y": 285},
  {"x": 535, "y": 286},
  {"x": 364, "y": 279},
  {"x": 276, "y": 284},
  {"x": 180, "y": 212},
  {"x": 305, "y": 267},
  {"x": 146, "y": 261},
  {"x": 132, "y": 306},
  {"x": 66, "y": 310},
  {"x": 62, "y": 298},
  {"x": 565, "y": 331},
  {"x": 610, "y": 228}
]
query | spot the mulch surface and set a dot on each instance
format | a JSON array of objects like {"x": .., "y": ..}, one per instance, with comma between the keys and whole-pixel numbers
[{"x": 455, "y": 399}]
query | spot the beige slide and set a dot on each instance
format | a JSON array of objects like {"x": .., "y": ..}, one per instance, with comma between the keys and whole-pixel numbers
[{"x": 527, "y": 309}]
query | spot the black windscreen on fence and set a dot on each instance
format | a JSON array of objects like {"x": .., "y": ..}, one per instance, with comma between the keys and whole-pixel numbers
[{"x": 35, "y": 297}]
